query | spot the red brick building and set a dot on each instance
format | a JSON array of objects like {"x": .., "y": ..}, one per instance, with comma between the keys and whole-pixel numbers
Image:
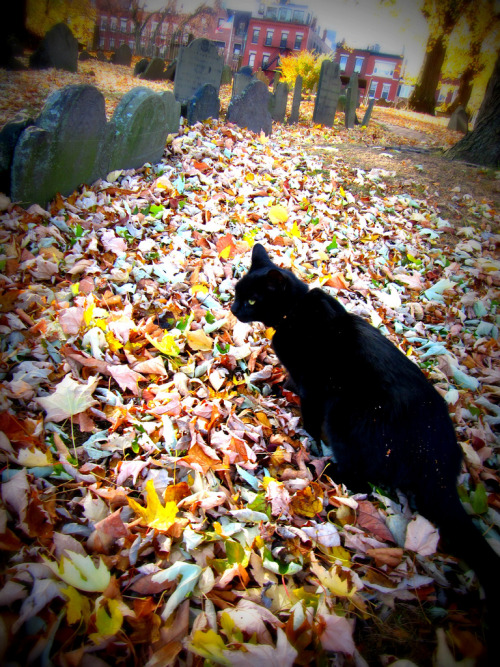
[{"x": 381, "y": 71}]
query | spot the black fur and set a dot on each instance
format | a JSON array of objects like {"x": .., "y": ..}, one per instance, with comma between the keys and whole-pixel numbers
[{"x": 384, "y": 421}]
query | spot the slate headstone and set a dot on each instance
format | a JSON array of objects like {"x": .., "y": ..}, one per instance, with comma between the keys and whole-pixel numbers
[
  {"x": 101, "y": 57},
  {"x": 122, "y": 55},
  {"x": 197, "y": 64},
  {"x": 368, "y": 112},
  {"x": 204, "y": 104},
  {"x": 240, "y": 82},
  {"x": 459, "y": 120},
  {"x": 246, "y": 70},
  {"x": 251, "y": 109},
  {"x": 85, "y": 55},
  {"x": 154, "y": 71},
  {"x": 351, "y": 101},
  {"x": 261, "y": 76},
  {"x": 9, "y": 135},
  {"x": 173, "y": 107},
  {"x": 328, "y": 94},
  {"x": 226, "y": 76},
  {"x": 59, "y": 152},
  {"x": 297, "y": 96},
  {"x": 141, "y": 66},
  {"x": 278, "y": 102},
  {"x": 169, "y": 73},
  {"x": 137, "y": 132},
  {"x": 59, "y": 49}
]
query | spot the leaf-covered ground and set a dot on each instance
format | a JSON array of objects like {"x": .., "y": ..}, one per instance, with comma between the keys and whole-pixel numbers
[{"x": 159, "y": 503}]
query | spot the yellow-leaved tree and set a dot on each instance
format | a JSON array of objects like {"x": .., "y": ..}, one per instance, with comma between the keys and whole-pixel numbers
[
  {"x": 305, "y": 63},
  {"x": 79, "y": 16}
]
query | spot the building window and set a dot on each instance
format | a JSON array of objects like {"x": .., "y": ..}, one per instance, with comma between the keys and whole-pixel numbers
[
  {"x": 255, "y": 35},
  {"x": 298, "y": 41},
  {"x": 384, "y": 68},
  {"x": 123, "y": 25},
  {"x": 104, "y": 22},
  {"x": 112, "y": 43},
  {"x": 285, "y": 14},
  {"x": 237, "y": 49},
  {"x": 386, "y": 89},
  {"x": 265, "y": 59},
  {"x": 298, "y": 16},
  {"x": 358, "y": 64},
  {"x": 131, "y": 44},
  {"x": 284, "y": 40},
  {"x": 373, "y": 89},
  {"x": 114, "y": 22},
  {"x": 272, "y": 13},
  {"x": 251, "y": 58},
  {"x": 343, "y": 62},
  {"x": 269, "y": 37}
]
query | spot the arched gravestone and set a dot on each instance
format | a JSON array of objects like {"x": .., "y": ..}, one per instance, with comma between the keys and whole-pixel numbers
[
  {"x": 138, "y": 130},
  {"x": 122, "y": 55},
  {"x": 59, "y": 49},
  {"x": 328, "y": 94},
  {"x": 251, "y": 108},
  {"x": 154, "y": 71},
  {"x": 197, "y": 64},
  {"x": 204, "y": 104},
  {"x": 59, "y": 152},
  {"x": 278, "y": 102}
]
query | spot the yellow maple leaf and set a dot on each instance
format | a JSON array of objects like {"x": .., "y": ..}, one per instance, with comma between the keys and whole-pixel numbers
[
  {"x": 78, "y": 606},
  {"x": 331, "y": 580},
  {"x": 166, "y": 345},
  {"x": 88, "y": 313},
  {"x": 108, "y": 624},
  {"x": 294, "y": 231},
  {"x": 278, "y": 213},
  {"x": 199, "y": 340},
  {"x": 209, "y": 645},
  {"x": 154, "y": 515},
  {"x": 112, "y": 341}
]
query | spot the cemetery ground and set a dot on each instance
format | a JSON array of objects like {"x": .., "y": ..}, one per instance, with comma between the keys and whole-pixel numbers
[{"x": 159, "y": 502}]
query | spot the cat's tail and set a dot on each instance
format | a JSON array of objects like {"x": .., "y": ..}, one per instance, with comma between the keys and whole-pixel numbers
[{"x": 466, "y": 542}]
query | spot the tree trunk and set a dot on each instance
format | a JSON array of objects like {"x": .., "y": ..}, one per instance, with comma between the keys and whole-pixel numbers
[
  {"x": 482, "y": 145},
  {"x": 464, "y": 89},
  {"x": 423, "y": 98}
]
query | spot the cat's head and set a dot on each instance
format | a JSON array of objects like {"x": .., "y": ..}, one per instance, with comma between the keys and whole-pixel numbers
[{"x": 266, "y": 293}]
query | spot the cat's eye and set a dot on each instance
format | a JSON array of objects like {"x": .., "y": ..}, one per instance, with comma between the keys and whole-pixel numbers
[{"x": 251, "y": 302}]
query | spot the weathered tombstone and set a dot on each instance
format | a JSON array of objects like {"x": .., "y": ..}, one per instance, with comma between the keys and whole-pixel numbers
[
  {"x": 246, "y": 69},
  {"x": 297, "y": 96},
  {"x": 141, "y": 66},
  {"x": 122, "y": 55},
  {"x": 278, "y": 102},
  {"x": 240, "y": 82},
  {"x": 101, "y": 57},
  {"x": 261, "y": 76},
  {"x": 276, "y": 79},
  {"x": 59, "y": 49},
  {"x": 351, "y": 101},
  {"x": 169, "y": 73},
  {"x": 328, "y": 94},
  {"x": 84, "y": 55},
  {"x": 137, "y": 132},
  {"x": 154, "y": 71},
  {"x": 459, "y": 120},
  {"x": 251, "y": 109},
  {"x": 9, "y": 135},
  {"x": 368, "y": 112},
  {"x": 173, "y": 117},
  {"x": 204, "y": 104},
  {"x": 197, "y": 64},
  {"x": 226, "y": 76},
  {"x": 59, "y": 152}
]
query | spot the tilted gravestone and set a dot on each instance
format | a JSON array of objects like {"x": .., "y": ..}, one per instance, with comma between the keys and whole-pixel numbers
[
  {"x": 141, "y": 66},
  {"x": 169, "y": 74},
  {"x": 328, "y": 94},
  {"x": 59, "y": 49},
  {"x": 240, "y": 82},
  {"x": 154, "y": 70},
  {"x": 278, "y": 102},
  {"x": 368, "y": 112},
  {"x": 138, "y": 130},
  {"x": 197, "y": 64},
  {"x": 351, "y": 101},
  {"x": 251, "y": 109},
  {"x": 122, "y": 55},
  {"x": 297, "y": 96},
  {"x": 226, "y": 76},
  {"x": 101, "y": 57},
  {"x": 9, "y": 135},
  {"x": 59, "y": 152},
  {"x": 204, "y": 104},
  {"x": 459, "y": 120}
]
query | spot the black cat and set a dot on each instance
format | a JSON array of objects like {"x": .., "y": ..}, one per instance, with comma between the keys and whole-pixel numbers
[{"x": 384, "y": 421}]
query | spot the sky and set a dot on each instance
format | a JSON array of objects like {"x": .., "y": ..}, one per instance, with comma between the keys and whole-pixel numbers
[{"x": 398, "y": 29}]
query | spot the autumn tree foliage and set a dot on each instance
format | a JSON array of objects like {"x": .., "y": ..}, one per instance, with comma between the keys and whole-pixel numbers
[
  {"x": 79, "y": 15},
  {"x": 306, "y": 64},
  {"x": 442, "y": 16},
  {"x": 482, "y": 145}
]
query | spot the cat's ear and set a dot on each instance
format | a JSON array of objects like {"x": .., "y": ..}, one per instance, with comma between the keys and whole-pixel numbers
[
  {"x": 260, "y": 257},
  {"x": 276, "y": 280}
]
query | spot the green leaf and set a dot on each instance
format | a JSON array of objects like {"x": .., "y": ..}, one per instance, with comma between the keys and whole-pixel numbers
[
  {"x": 333, "y": 245},
  {"x": 234, "y": 552},
  {"x": 479, "y": 499}
]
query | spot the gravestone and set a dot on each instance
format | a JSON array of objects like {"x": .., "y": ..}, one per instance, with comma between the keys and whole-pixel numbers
[
  {"x": 197, "y": 64},
  {"x": 204, "y": 104},
  {"x": 138, "y": 130},
  {"x": 59, "y": 49},
  {"x": 261, "y": 76},
  {"x": 9, "y": 135},
  {"x": 276, "y": 79},
  {"x": 240, "y": 82},
  {"x": 85, "y": 55},
  {"x": 459, "y": 120},
  {"x": 246, "y": 70},
  {"x": 351, "y": 101},
  {"x": 297, "y": 96},
  {"x": 368, "y": 113},
  {"x": 141, "y": 66},
  {"x": 226, "y": 76},
  {"x": 169, "y": 73},
  {"x": 278, "y": 102},
  {"x": 122, "y": 55},
  {"x": 328, "y": 93},
  {"x": 59, "y": 152},
  {"x": 101, "y": 57},
  {"x": 154, "y": 70},
  {"x": 173, "y": 117},
  {"x": 251, "y": 109}
]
